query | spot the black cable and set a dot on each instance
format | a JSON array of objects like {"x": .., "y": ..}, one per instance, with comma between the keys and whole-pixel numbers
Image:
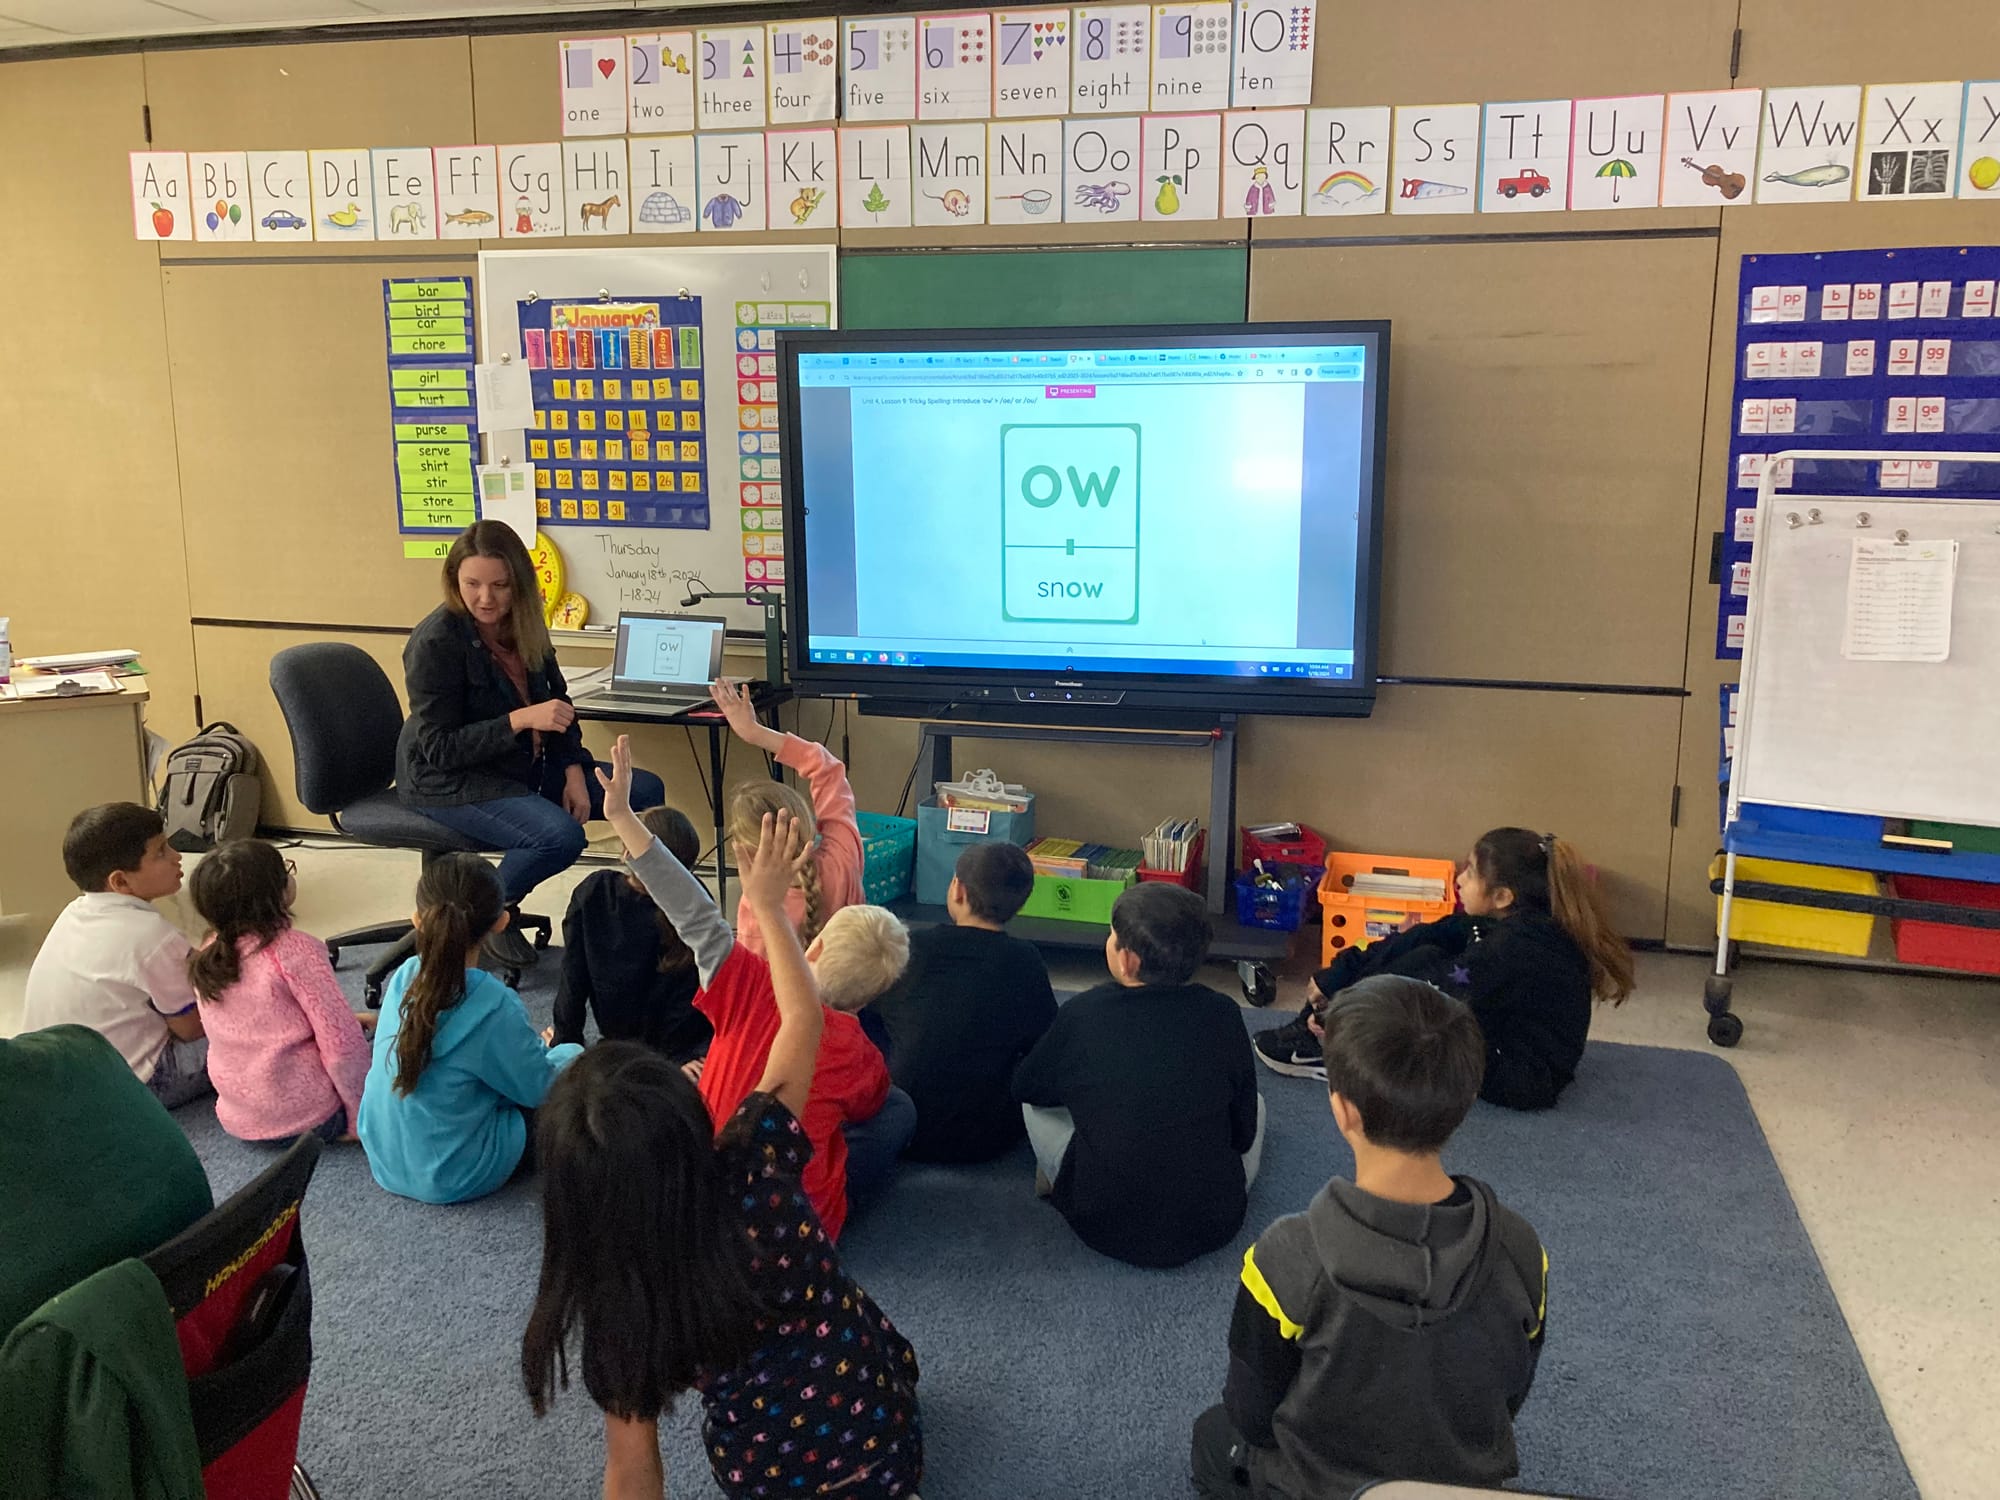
[
  {"x": 708, "y": 795},
  {"x": 910, "y": 780}
]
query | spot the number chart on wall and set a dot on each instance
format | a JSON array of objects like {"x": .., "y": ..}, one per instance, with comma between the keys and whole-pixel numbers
[
  {"x": 1863, "y": 349},
  {"x": 621, "y": 435},
  {"x": 432, "y": 409}
]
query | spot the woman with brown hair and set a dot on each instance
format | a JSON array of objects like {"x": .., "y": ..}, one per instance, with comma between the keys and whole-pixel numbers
[{"x": 491, "y": 748}]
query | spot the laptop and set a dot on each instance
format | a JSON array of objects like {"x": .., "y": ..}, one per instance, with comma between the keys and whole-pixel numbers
[{"x": 664, "y": 661}]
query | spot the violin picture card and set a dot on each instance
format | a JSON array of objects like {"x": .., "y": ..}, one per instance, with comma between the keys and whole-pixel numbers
[{"x": 1711, "y": 148}]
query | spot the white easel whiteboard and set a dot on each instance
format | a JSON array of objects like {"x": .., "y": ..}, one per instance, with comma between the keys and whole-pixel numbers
[
  {"x": 651, "y": 570},
  {"x": 1889, "y": 739}
]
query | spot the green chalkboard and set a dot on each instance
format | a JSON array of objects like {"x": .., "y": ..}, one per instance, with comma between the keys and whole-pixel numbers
[{"x": 1045, "y": 288}]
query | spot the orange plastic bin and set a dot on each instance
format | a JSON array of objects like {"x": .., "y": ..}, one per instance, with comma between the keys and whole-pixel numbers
[{"x": 1353, "y": 921}]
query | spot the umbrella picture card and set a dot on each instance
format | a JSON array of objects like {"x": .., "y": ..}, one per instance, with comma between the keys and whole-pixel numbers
[
  {"x": 1524, "y": 167},
  {"x": 1347, "y": 161},
  {"x": 1434, "y": 163},
  {"x": 1807, "y": 144},
  {"x": 1711, "y": 151},
  {"x": 1616, "y": 152}
]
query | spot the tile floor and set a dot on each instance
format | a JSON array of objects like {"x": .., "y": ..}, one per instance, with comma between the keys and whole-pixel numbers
[{"x": 1880, "y": 1095}]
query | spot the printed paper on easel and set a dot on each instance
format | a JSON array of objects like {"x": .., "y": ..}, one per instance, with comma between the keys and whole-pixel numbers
[
  {"x": 1617, "y": 152},
  {"x": 1347, "y": 161},
  {"x": 160, "y": 196},
  {"x": 730, "y": 172},
  {"x": 1909, "y": 140},
  {"x": 955, "y": 67},
  {"x": 804, "y": 62},
  {"x": 1024, "y": 160},
  {"x": 1031, "y": 62},
  {"x": 468, "y": 191},
  {"x": 1191, "y": 55},
  {"x": 280, "y": 195},
  {"x": 1899, "y": 600},
  {"x": 1263, "y": 155},
  {"x": 1111, "y": 59},
  {"x": 220, "y": 185},
  {"x": 660, "y": 83},
  {"x": 1807, "y": 144},
  {"x": 1711, "y": 148},
  {"x": 948, "y": 167},
  {"x": 1101, "y": 171},
  {"x": 507, "y": 495},
  {"x": 343, "y": 195},
  {"x": 879, "y": 69},
  {"x": 595, "y": 187},
  {"x": 663, "y": 184},
  {"x": 506, "y": 396},
  {"x": 1274, "y": 53},
  {"x": 531, "y": 205},
  {"x": 1435, "y": 160},
  {"x": 1979, "y": 142},
  {"x": 1525, "y": 158},
  {"x": 875, "y": 177},
  {"x": 1180, "y": 168},
  {"x": 730, "y": 94},
  {"x": 593, "y": 86},
  {"x": 802, "y": 178},
  {"x": 405, "y": 195}
]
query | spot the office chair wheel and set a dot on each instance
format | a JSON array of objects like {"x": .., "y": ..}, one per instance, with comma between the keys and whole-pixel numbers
[
  {"x": 541, "y": 939},
  {"x": 511, "y": 977},
  {"x": 1715, "y": 994},
  {"x": 302, "y": 1487},
  {"x": 1260, "y": 985},
  {"x": 1725, "y": 1028},
  {"x": 371, "y": 993}
]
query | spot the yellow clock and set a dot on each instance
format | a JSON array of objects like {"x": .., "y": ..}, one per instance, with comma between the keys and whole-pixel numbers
[
  {"x": 548, "y": 571},
  {"x": 572, "y": 612}
]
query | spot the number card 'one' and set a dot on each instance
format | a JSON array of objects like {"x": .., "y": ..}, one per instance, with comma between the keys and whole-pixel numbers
[
  {"x": 805, "y": 72},
  {"x": 1274, "y": 53},
  {"x": 955, "y": 71},
  {"x": 1191, "y": 55},
  {"x": 1031, "y": 62},
  {"x": 730, "y": 92},
  {"x": 593, "y": 86},
  {"x": 660, "y": 84},
  {"x": 880, "y": 68}
]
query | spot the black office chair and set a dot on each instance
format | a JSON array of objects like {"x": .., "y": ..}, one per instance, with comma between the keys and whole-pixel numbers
[{"x": 342, "y": 714}]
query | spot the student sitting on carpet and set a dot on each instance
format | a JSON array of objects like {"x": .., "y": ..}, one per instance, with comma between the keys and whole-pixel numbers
[
  {"x": 684, "y": 1260},
  {"x": 1391, "y": 1331},
  {"x": 856, "y": 1121},
  {"x": 457, "y": 1062},
  {"x": 1141, "y": 1100},
  {"x": 622, "y": 958},
  {"x": 1528, "y": 952},
  {"x": 972, "y": 1005}
]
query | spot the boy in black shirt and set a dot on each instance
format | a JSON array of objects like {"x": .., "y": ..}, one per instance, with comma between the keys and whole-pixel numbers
[
  {"x": 970, "y": 1006},
  {"x": 1391, "y": 1331},
  {"x": 1142, "y": 1100}
]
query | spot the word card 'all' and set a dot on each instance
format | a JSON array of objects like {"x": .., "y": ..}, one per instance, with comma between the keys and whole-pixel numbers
[
  {"x": 955, "y": 68},
  {"x": 1191, "y": 55},
  {"x": 880, "y": 69},
  {"x": 1274, "y": 53},
  {"x": 805, "y": 73},
  {"x": 1031, "y": 62},
  {"x": 730, "y": 90},
  {"x": 593, "y": 86},
  {"x": 660, "y": 83},
  {"x": 1111, "y": 59}
]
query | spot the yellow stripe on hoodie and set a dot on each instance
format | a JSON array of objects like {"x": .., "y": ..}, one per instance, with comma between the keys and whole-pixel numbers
[{"x": 1260, "y": 1289}]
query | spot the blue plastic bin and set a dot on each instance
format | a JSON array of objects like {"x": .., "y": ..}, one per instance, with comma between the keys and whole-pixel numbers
[
  {"x": 1280, "y": 908},
  {"x": 939, "y": 844},
  {"x": 888, "y": 856}
]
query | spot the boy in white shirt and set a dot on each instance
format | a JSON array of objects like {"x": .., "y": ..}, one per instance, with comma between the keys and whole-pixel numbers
[{"x": 113, "y": 963}]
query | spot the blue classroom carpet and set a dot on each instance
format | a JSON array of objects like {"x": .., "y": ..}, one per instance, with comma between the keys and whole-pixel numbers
[{"x": 1694, "y": 1350}]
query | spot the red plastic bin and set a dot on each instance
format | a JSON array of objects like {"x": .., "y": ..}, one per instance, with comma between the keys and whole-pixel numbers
[
  {"x": 1939, "y": 945},
  {"x": 1191, "y": 876},
  {"x": 1307, "y": 849}
]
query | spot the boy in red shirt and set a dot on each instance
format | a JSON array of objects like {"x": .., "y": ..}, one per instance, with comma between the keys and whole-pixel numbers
[{"x": 859, "y": 954}]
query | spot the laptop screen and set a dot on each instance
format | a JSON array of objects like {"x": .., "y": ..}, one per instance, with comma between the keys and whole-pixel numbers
[{"x": 676, "y": 652}]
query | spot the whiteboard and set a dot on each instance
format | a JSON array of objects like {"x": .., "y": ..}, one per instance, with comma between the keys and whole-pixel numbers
[
  {"x": 1890, "y": 739},
  {"x": 644, "y": 568}
]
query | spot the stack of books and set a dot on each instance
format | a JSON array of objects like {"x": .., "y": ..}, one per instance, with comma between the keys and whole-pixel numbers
[
  {"x": 1398, "y": 887},
  {"x": 1073, "y": 859}
]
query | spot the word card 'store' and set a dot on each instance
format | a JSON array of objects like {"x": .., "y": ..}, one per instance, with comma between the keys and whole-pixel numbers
[{"x": 1069, "y": 522}]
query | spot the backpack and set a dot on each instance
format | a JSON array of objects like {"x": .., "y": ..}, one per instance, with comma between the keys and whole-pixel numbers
[{"x": 212, "y": 793}]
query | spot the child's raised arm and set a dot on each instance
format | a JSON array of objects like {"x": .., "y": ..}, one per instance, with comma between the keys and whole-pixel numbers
[
  {"x": 767, "y": 873},
  {"x": 676, "y": 892}
]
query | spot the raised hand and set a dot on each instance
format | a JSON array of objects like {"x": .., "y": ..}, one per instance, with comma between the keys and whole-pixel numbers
[
  {"x": 768, "y": 871},
  {"x": 734, "y": 701}
]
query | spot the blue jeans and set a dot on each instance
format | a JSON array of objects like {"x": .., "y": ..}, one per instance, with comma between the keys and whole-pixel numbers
[
  {"x": 538, "y": 838},
  {"x": 874, "y": 1144},
  {"x": 181, "y": 1074}
]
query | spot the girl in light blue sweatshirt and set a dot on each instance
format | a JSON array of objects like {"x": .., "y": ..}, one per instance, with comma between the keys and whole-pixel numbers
[{"x": 457, "y": 1064}]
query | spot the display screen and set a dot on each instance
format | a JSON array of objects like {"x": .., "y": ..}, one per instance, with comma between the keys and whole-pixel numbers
[{"x": 1198, "y": 504}]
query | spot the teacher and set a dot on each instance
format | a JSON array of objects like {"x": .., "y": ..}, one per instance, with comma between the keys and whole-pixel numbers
[{"x": 491, "y": 748}]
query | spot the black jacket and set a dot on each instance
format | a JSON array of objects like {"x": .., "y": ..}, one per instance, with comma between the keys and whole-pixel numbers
[
  {"x": 457, "y": 746},
  {"x": 611, "y": 965},
  {"x": 1525, "y": 979}
]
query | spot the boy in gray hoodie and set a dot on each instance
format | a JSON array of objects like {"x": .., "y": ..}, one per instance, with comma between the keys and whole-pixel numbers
[{"x": 1390, "y": 1331}]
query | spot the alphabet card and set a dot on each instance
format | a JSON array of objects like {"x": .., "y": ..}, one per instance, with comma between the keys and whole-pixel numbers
[
  {"x": 875, "y": 177},
  {"x": 1274, "y": 53},
  {"x": 1909, "y": 140},
  {"x": 593, "y": 86},
  {"x": 1263, "y": 159},
  {"x": 955, "y": 74},
  {"x": 343, "y": 195},
  {"x": 160, "y": 196},
  {"x": 663, "y": 184},
  {"x": 220, "y": 181},
  {"x": 1111, "y": 59},
  {"x": 405, "y": 195},
  {"x": 1979, "y": 142},
  {"x": 1526, "y": 158},
  {"x": 802, "y": 178},
  {"x": 1031, "y": 62},
  {"x": 1024, "y": 177},
  {"x": 1615, "y": 152},
  {"x": 948, "y": 165},
  {"x": 595, "y": 186},
  {"x": 1100, "y": 171},
  {"x": 468, "y": 191},
  {"x": 1711, "y": 148},
  {"x": 1191, "y": 55},
  {"x": 281, "y": 195},
  {"x": 660, "y": 85},
  {"x": 1180, "y": 159},
  {"x": 1806, "y": 148},
  {"x": 729, "y": 174},
  {"x": 730, "y": 92},
  {"x": 1435, "y": 160},
  {"x": 531, "y": 186},
  {"x": 881, "y": 70},
  {"x": 805, "y": 76},
  {"x": 1347, "y": 161}
]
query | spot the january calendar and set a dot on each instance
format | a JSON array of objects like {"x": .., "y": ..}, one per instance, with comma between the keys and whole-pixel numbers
[{"x": 620, "y": 435}]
